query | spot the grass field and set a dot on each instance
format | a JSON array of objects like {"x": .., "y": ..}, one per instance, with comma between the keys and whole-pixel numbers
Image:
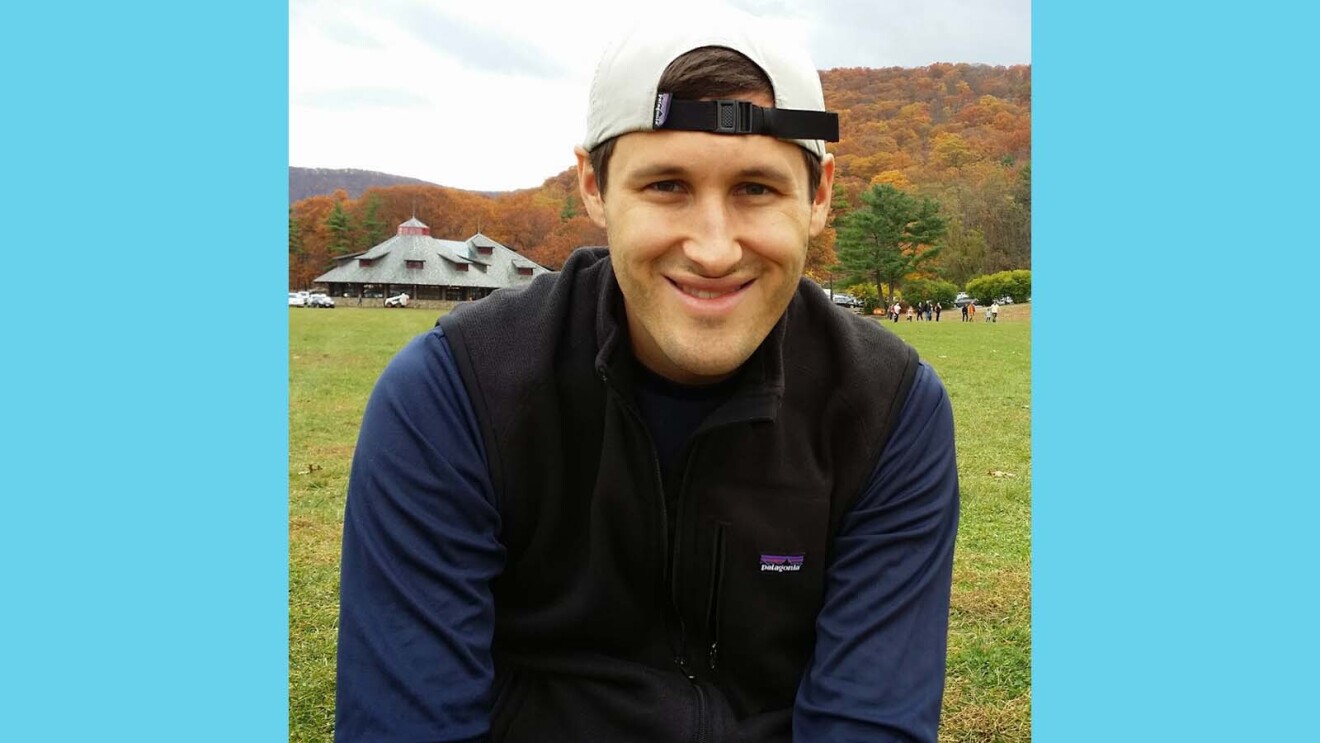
[{"x": 335, "y": 357}]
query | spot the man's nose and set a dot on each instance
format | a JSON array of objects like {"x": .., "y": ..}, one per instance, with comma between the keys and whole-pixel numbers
[{"x": 713, "y": 245}]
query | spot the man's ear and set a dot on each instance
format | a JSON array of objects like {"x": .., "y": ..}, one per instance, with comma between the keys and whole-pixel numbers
[
  {"x": 820, "y": 201},
  {"x": 589, "y": 188}
]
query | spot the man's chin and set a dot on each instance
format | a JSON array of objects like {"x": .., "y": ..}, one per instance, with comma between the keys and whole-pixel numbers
[{"x": 708, "y": 359}]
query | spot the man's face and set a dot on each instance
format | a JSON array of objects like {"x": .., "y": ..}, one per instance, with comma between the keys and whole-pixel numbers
[{"x": 708, "y": 235}]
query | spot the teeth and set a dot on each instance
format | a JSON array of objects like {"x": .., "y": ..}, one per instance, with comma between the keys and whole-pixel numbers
[{"x": 701, "y": 293}]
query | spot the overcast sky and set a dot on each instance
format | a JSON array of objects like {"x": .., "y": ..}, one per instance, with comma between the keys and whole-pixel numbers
[{"x": 490, "y": 95}]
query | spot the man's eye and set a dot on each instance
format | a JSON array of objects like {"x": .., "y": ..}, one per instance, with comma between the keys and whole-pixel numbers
[
  {"x": 664, "y": 186},
  {"x": 755, "y": 189}
]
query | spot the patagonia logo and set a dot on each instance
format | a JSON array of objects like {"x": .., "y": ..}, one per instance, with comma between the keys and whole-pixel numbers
[
  {"x": 661, "y": 109},
  {"x": 781, "y": 563}
]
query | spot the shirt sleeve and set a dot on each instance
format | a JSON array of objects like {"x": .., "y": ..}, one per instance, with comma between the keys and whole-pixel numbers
[
  {"x": 420, "y": 550},
  {"x": 877, "y": 673}
]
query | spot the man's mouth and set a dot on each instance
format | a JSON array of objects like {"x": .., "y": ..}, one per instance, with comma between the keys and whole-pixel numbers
[{"x": 709, "y": 292}]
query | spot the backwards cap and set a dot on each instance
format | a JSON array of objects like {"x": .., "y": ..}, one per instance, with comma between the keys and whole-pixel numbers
[{"x": 624, "y": 96}]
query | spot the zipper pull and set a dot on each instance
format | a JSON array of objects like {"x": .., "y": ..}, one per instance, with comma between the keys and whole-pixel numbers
[
  {"x": 683, "y": 666},
  {"x": 714, "y": 653}
]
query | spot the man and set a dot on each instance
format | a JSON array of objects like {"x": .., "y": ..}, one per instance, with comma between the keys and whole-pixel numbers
[{"x": 672, "y": 492}]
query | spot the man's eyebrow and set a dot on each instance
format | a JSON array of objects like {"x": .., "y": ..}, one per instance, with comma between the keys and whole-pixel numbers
[
  {"x": 760, "y": 173},
  {"x": 675, "y": 170},
  {"x": 658, "y": 170}
]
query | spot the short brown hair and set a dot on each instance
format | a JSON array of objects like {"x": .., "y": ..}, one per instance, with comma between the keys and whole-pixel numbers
[{"x": 709, "y": 72}]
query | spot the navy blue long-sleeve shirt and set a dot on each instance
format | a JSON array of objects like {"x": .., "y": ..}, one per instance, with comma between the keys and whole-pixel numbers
[{"x": 421, "y": 547}]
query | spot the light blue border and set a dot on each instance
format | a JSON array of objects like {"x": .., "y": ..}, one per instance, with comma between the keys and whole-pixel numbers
[
  {"x": 144, "y": 528},
  {"x": 1174, "y": 406}
]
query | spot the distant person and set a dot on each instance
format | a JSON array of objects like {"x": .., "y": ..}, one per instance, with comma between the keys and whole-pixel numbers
[
  {"x": 938, "y": 308},
  {"x": 994, "y": 311},
  {"x": 909, "y": 313},
  {"x": 987, "y": 314},
  {"x": 971, "y": 312},
  {"x": 600, "y": 508},
  {"x": 964, "y": 313}
]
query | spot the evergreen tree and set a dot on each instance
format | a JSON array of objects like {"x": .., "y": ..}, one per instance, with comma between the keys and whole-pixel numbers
[
  {"x": 889, "y": 236},
  {"x": 373, "y": 227},
  {"x": 341, "y": 230},
  {"x": 295, "y": 237}
]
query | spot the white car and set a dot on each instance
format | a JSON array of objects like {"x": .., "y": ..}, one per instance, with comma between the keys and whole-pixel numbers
[
  {"x": 400, "y": 300},
  {"x": 298, "y": 299},
  {"x": 320, "y": 300}
]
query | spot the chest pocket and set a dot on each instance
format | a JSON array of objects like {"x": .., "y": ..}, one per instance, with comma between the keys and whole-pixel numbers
[{"x": 759, "y": 569}]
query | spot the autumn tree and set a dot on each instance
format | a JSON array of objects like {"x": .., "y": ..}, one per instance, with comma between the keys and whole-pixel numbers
[
  {"x": 576, "y": 232},
  {"x": 962, "y": 253},
  {"x": 889, "y": 236}
]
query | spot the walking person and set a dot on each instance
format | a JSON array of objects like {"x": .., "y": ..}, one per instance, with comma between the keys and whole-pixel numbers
[
  {"x": 994, "y": 311},
  {"x": 938, "y": 308}
]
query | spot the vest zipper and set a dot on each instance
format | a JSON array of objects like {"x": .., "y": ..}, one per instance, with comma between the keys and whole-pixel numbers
[
  {"x": 703, "y": 724},
  {"x": 702, "y": 733},
  {"x": 713, "y": 604},
  {"x": 673, "y": 618}
]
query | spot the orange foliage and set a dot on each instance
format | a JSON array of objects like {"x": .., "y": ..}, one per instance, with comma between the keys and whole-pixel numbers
[
  {"x": 577, "y": 232},
  {"x": 958, "y": 132}
]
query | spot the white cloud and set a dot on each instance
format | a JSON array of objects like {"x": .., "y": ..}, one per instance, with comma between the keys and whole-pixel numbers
[{"x": 491, "y": 95}]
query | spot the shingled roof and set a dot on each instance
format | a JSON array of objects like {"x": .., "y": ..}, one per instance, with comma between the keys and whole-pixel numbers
[{"x": 412, "y": 256}]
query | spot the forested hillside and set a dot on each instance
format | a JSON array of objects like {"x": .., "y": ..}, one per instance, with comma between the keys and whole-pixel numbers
[
  {"x": 306, "y": 182},
  {"x": 956, "y": 133}
]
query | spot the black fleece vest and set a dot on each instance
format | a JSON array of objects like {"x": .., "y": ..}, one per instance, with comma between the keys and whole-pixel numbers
[{"x": 608, "y": 628}]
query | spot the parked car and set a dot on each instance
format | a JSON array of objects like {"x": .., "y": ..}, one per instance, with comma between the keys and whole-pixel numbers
[
  {"x": 298, "y": 299},
  {"x": 399, "y": 300},
  {"x": 847, "y": 300},
  {"x": 962, "y": 300},
  {"x": 320, "y": 300}
]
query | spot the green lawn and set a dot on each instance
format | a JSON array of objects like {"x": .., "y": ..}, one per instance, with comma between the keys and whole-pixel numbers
[{"x": 335, "y": 357}]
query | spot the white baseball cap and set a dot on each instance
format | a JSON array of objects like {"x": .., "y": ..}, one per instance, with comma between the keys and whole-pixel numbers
[{"x": 624, "y": 96}]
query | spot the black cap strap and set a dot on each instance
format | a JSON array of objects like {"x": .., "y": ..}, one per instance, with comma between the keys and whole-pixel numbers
[{"x": 742, "y": 117}]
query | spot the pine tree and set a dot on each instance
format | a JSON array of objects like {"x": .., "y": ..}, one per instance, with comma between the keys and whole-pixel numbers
[
  {"x": 373, "y": 227},
  {"x": 341, "y": 230},
  {"x": 889, "y": 236}
]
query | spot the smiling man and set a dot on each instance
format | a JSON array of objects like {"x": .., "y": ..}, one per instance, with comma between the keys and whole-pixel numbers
[{"x": 671, "y": 493}]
